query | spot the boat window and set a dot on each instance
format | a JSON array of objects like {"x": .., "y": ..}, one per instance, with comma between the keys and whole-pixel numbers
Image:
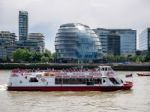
[
  {"x": 38, "y": 75},
  {"x": 46, "y": 74},
  {"x": 25, "y": 77},
  {"x": 58, "y": 81},
  {"x": 113, "y": 80},
  {"x": 20, "y": 81},
  {"x": 71, "y": 80},
  {"x": 33, "y": 79},
  {"x": 109, "y": 69},
  {"x": 98, "y": 81},
  {"x": 121, "y": 81},
  {"x": 90, "y": 83},
  {"x": 77, "y": 81},
  {"x": 104, "y": 80}
]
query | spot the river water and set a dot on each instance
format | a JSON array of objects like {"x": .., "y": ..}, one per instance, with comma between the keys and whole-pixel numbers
[{"x": 135, "y": 100}]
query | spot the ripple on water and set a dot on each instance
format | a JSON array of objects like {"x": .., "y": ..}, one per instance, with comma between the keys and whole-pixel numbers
[{"x": 3, "y": 87}]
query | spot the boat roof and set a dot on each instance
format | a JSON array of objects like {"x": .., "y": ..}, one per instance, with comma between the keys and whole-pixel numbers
[{"x": 105, "y": 68}]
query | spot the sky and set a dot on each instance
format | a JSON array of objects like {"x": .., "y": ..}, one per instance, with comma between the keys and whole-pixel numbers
[{"x": 45, "y": 16}]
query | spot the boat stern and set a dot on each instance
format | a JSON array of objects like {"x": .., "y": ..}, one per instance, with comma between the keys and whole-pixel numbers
[{"x": 127, "y": 85}]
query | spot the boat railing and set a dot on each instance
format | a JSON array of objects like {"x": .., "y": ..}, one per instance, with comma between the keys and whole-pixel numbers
[{"x": 101, "y": 71}]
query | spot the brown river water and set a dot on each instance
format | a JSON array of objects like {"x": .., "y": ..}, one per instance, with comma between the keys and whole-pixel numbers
[{"x": 135, "y": 100}]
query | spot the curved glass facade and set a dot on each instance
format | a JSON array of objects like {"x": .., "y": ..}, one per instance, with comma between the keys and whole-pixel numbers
[{"x": 76, "y": 41}]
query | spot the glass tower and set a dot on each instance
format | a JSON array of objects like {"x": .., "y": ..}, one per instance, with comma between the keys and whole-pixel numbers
[
  {"x": 113, "y": 44},
  {"x": 75, "y": 41},
  {"x": 144, "y": 40},
  {"x": 23, "y": 25},
  {"x": 127, "y": 40}
]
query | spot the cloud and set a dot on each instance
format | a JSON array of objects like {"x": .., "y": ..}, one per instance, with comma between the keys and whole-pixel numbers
[{"x": 46, "y": 16}]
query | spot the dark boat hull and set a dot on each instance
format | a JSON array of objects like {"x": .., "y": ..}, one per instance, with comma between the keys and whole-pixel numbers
[
  {"x": 140, "y": 74},
  {"x": 70, "y": 88}
]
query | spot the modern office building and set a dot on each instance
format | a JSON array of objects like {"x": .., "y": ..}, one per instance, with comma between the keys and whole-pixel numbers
[
  {"x": 75, "y": 41},
  {"x": 23, "y": 25},
  {"x": 7, "y": 44},
  {"x": 103, "y": 36},
  {"x": 113, "y": 44},
  {"x": 31, "y": 45},
  {"x": 34, "y": 41},
  {"x": 39, "y": 38},
  {"x": 144, "y": 40},
  {"x": 127, "y": 40}
]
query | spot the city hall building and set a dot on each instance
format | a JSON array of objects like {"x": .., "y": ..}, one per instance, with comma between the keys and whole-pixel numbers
[{"x": 77, "y": 42}]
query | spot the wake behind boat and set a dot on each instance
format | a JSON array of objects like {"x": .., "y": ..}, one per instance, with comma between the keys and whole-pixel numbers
[{"x": 101, "y": 79}]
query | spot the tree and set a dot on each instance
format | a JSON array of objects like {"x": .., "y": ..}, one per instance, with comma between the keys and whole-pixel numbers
[
  {"x": 147, "y": 57},
  {"x": 47, "y": 53},
  {"x": 44, "y": 59},
  {"x": 108, "y": 57},
  {"x": 54, "y": 56},
  {"x": 21, "y": 55},
  {"x": 36, "y": 57}
]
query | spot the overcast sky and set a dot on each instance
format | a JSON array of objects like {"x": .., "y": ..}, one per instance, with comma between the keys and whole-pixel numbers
[{"x": 45, "y": 16}]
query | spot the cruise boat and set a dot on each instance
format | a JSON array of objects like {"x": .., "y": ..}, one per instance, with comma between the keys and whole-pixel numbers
[
  {"x": 101, "y": 79},
  {"x": 143, "y": 74}
]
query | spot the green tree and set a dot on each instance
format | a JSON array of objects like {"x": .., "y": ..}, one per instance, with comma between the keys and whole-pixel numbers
[
  {"x": 147, "y": 57},
  {"x": 109, "y": 57},
  {"x": 35, "y": 57},
  {"x": 44, "y": 59},
  {"x": 123, "y": 58},
  {"x": 132, "y": 58},
  {"x": 47, "y": 53},
  {"x": 140, "y": 59},
  {"x": 54, "y": 56},
  {"x": 21, "y": 55}
]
